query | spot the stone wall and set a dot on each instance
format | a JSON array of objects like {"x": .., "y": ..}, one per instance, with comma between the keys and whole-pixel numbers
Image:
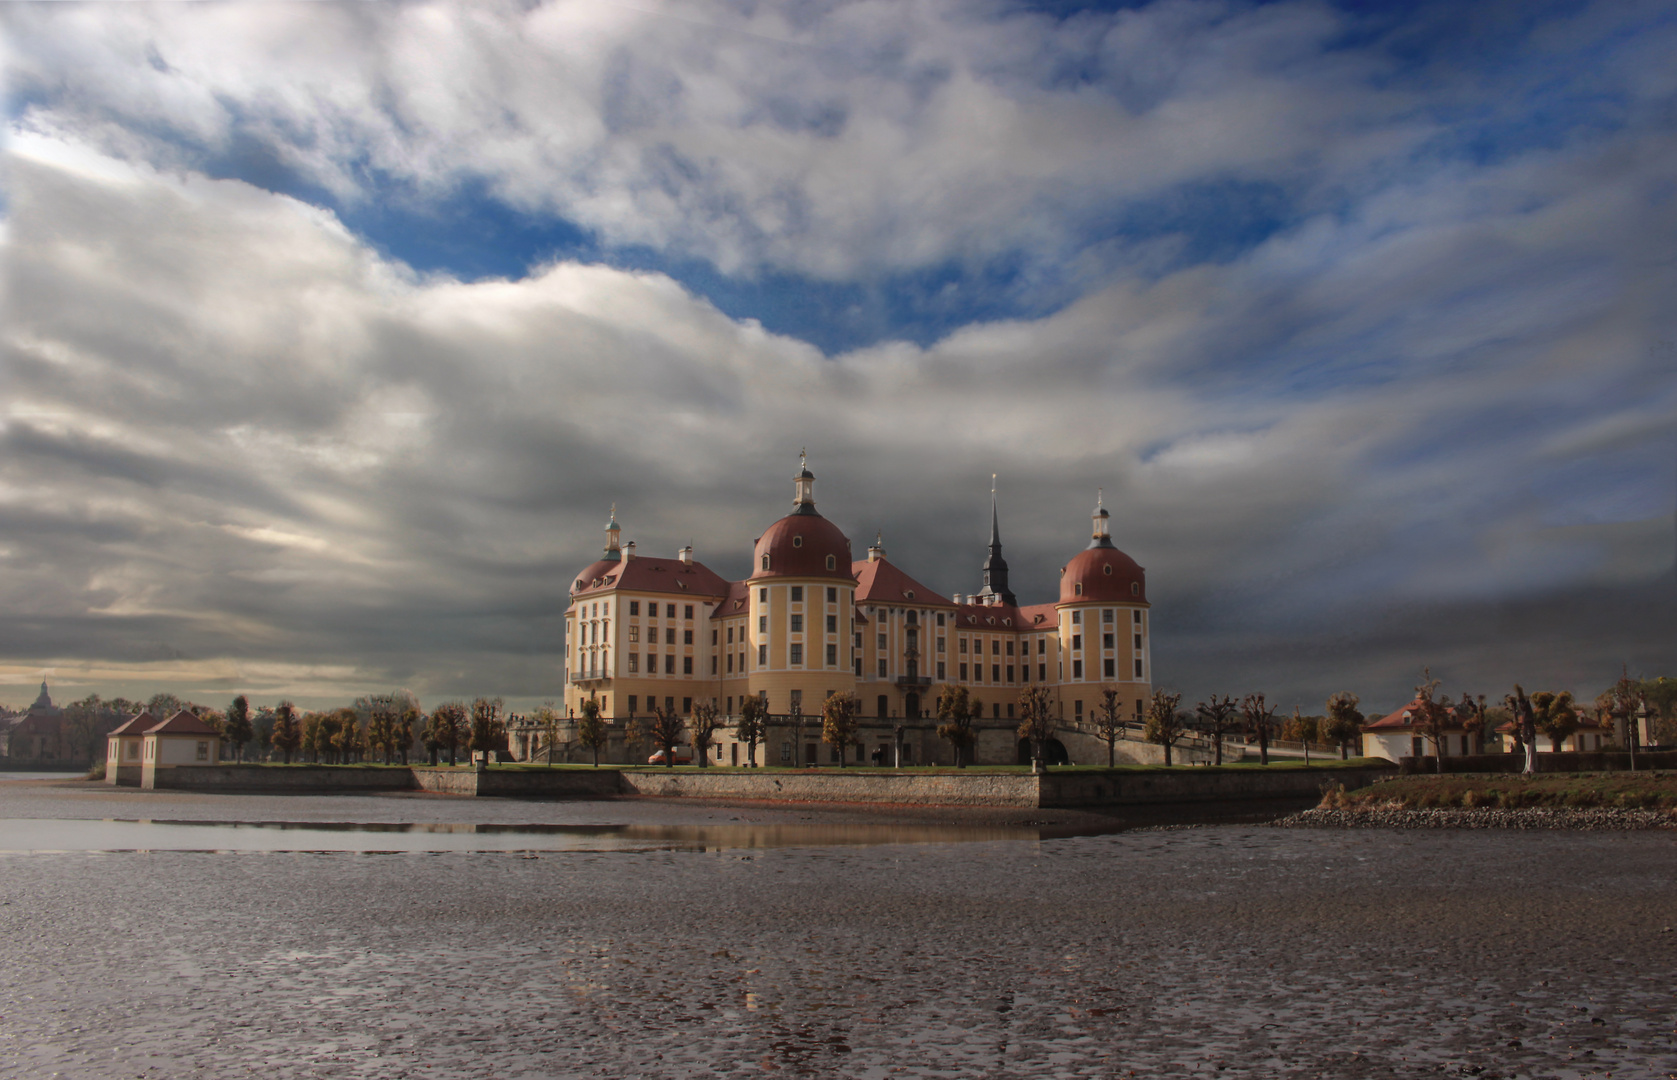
[
  {"x": 519, "y": 783},
  {"x": 283, "y": 778},
  {"x": 1068, "y": 789},
  {"x": 1546, "y": 761},
  {"x": 840, "y": 785}
]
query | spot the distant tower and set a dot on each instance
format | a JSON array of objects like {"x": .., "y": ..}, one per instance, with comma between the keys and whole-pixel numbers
[
  {"x": 995, "y": 567},
  {"x": 614, "y": 536}
]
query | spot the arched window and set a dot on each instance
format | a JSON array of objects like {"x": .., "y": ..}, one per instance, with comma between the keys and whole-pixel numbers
[
  {"x": 1076, "y": 586},
  {"x": 765, "y": 562},
  {"x": 1135, "y": 588},
  {"x": 832, "y": 563}
]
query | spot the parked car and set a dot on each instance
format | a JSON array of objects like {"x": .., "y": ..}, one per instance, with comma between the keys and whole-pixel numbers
[{"x": 683, "y": 756}]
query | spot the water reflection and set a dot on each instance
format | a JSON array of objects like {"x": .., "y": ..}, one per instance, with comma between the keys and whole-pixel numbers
[{"x": 115, "y": 834}]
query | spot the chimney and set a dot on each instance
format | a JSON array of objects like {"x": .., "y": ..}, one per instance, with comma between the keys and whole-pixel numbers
[
  {"x": 628, "y": 551},
  {"x": 686, "y": 555},
  {"x": 876, "y": 550}
]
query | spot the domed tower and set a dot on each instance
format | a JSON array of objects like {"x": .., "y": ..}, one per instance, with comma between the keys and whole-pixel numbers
[
  {"x": 1105, "y": 634},
  {"x": 802, "y": 596}
]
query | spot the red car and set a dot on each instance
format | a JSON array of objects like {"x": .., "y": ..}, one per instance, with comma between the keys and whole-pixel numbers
[{"x": 683, "y": 756}]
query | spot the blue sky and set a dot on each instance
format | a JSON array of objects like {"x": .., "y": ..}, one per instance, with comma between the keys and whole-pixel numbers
[{"x": 1358, "y": 312}]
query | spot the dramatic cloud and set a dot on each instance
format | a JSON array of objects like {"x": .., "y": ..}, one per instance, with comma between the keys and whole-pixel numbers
[{"x": 1367, "y": 340}]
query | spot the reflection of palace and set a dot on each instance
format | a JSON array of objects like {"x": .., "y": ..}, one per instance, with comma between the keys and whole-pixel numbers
[{"x": 812, "y": 621}]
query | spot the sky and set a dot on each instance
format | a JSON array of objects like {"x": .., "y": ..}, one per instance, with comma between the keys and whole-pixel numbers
[{"x": 333, "y": 332}]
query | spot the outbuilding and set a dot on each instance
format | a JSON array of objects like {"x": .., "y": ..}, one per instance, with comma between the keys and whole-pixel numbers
[
  {"x": 123, "y": 747},
  {"x": 182, "y": 741}
]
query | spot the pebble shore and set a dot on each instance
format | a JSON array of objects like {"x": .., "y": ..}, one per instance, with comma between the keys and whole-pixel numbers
[{"x": 1596, "y": 819}]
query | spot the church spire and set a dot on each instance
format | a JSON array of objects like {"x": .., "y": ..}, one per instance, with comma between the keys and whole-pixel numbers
[
  {"x": 804, "y": 501},
  {"x": 1101, "y": 522},
  {"x": 995, "y": 567}
]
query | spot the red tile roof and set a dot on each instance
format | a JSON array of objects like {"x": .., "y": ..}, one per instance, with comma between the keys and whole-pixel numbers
[
  {"x": 644, "y": 574},
  {"x": 1106, "y": 575},
  {"x": 736, "y": 602},
  {"x": 182, "y": 723},
  {"x": 879, "y": 582},
  {"x": 1403, "y": 719},
  {"x": 801, "y": 546},
  {"x": 136, "y": 725}
]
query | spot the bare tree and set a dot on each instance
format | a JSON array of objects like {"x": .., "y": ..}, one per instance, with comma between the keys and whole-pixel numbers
[
  {"x": 1260, "y": 722},
  {"x": 752, "y": 726},
  {"x": 702, "y": 731},
  {"x": 447, "y": 728},
  {"x": 667, "y": 729},
  {"x": 591, "y": 731},
  {"x": 381, "y": 724},
  {"x": 1470, "y": 717},
  {"x": 1218, "y": 716},
  {"x": 1164, "y": 723},
  {"x": 1525, "y": 725},
  {"x": 1432, "y": 718},
  {"x": 1624, "y": 702},
  {"x": 1109, "y": 722},
  {"x": 959, "y": 712},
  {"x": 1036, "y": 723},
  {"x": 488, "y": 730},
  {"x": 1344, "y": 721},
  {"x": 838, "y": 723}
]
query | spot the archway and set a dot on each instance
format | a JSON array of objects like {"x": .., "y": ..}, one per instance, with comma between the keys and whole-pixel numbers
[
  {"x": 911, "y": 705},
  {"x": 1053, "y": 752}
]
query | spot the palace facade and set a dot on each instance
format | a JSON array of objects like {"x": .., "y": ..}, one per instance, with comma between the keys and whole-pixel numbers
[{"x": 812, "y": 620}]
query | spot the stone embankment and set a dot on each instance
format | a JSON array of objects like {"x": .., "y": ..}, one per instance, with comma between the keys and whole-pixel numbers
[{"x": 1591, "y": 818}]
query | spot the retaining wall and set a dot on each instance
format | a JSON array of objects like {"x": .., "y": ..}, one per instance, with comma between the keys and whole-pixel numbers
[
  {"x": 841, "y": 785},
  {"x": 1198, "y": 785},
  {"x": 1546, "y": 762},
  {"x": 284, "y": 778}
]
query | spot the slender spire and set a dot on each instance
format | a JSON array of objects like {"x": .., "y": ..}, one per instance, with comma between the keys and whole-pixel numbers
[
  {"x": 614, "y": 534},
  {"x": 1101, "y": 527},
  {"x": 995, "y": 567}
]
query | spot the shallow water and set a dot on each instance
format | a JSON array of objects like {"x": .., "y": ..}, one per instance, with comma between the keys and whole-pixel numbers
[{"x": 1219, "y": 951}]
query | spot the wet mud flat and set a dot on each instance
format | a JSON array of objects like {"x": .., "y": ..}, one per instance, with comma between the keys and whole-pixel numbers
[{"x": 1217, "y": 951}]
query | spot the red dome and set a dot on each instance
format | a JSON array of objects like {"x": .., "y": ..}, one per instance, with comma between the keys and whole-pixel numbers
[
  {"x": 1106, "y": 575},
  {"x": 802, "y": 545}
]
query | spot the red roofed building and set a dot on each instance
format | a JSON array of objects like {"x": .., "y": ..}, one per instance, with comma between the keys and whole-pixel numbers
[
  {"x": 811, "y": 620},
  {"x": 182, "y": 741},
  {"x": 1396, "y": 735},
  {"x": 123, "y": 747}
]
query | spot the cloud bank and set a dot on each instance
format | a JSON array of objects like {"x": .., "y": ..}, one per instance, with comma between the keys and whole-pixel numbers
[{"x": 1368, "y": 341}]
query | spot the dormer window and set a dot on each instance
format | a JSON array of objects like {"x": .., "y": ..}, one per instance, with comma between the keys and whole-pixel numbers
[
  {"x": 797, "y": 541},
  {"x": 832, "y": 563},
  {"x": 1135, "y": 588},
  {"x": 765, "y": 562},
  {"x": 1076, "y": 586},
  {"x": 909, "y": 594}
]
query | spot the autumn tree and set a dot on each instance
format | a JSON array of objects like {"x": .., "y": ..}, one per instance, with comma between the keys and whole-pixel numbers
[
  {"x": 636, "y": 737},
  {"x": 1109, "y": 723},
  {"x": 287, "y": 736},
  {"x": 1260, "y": 723},
  {"x": 1217, "y": 717},
  {"x": 1164, "y": 723},
  {"x": 959, "y": 712},
  {"x": 1470, "y": 717},
  {"x": 591, "y": 731},
  {"x": 407, "y": 714},
  {"x": 238, "y": 728},
  {"x": 1344, "y": 722},
  {"x": 1036, "y": 723},
  {"x": 838, "y": 723},
  {"x": 1556, "y": 715},
  {"x": 1524, "y": 720},
  {"x": 447, "y": 728},
  {"x": 667, "y": 729},
  {"x": 349, "y": 738},
  {"x": 547, "y": 718},
  {"x": 1432, "y": 717},
  {"x": 381, "y": 724},
  {"x": 752, "y": 726},
  {"x": 702, "y": 727},
  {"x": 488, "y": 730}
]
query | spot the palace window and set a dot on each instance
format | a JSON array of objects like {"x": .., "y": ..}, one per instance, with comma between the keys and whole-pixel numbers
[
  {"x": 797, "y": 653},
  {"x": 832, "y": 593},
  {"x": 652, "y": 663},
  {"x": 940, "y": 645},
  {"x": 1138, "y": 641},
  {"x": 940, "y": 669},
  {"x": 713, "y": 635},
  {"x": 762, "y": 596},
  {"x": 960, "y": 644},
  {"x": 996, "y": 710},
  {"x": 762, "y": 624},
  {"x": 687, "y": 637},
  {"x": 832, "y": 656},
  {"x": 669, "y": 635},
  {"x": 832, "y": 624},
  {"x": 634, "y": 662},
  {"x": 1010, "y": 673},
  {"x": 687, "y": 611},
  {"x": 730, "y": 663},
  {"x": 940, "y": 618},
  {"x": 669, "y": 611},
  {"x": 1041, "y": 646},
  {"x": 762, "y": 656},
  {"x": 963, "y": 673},
  {"x": 797, "y": 594},
  {"x": 1076, "y": 641},
  {"x": 882, "y": 669},
  {"x": 832, "y": 563},
  {"x": 1138, "y": 669},
  {"x": 765, "y": 562},
  {"x": 797, "y": 623},
  {"x": 995, "y": 646},
  {"x": 1106, "y": 641},
  {"x": 1077, "y": 588},
  {"x": 1077, "y": 669},
  {"x": 882, "y": 640},
  {"x": 1077, "y": 707},
  {"x": 1137, "y": 615},
  {"x": 687, "y": 705},
  {"x": 634, "y": 699},
  {"x": 730, "y": 635},
  {"x": 1010, "y": 647},
  {"x": 634, "y": 607},
  {"x": 635, "y": 634},
  {"x": 858, "y": 667},
  {"x": 858, "y": 639},
  {"x": 1111, "y": 664},
  {"x": 1076, "y": 618},
  {"x": 995, "y": 673},
  {"x": 713, "y": 662},
  {"x": 1042, "y": 673}
]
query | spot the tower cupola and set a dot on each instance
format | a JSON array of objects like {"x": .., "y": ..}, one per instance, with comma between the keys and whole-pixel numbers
[
  {"x": 614, "y": 537},
  {"x": 803, "y": 501},
  {"x": 1102, "y": 524}
]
